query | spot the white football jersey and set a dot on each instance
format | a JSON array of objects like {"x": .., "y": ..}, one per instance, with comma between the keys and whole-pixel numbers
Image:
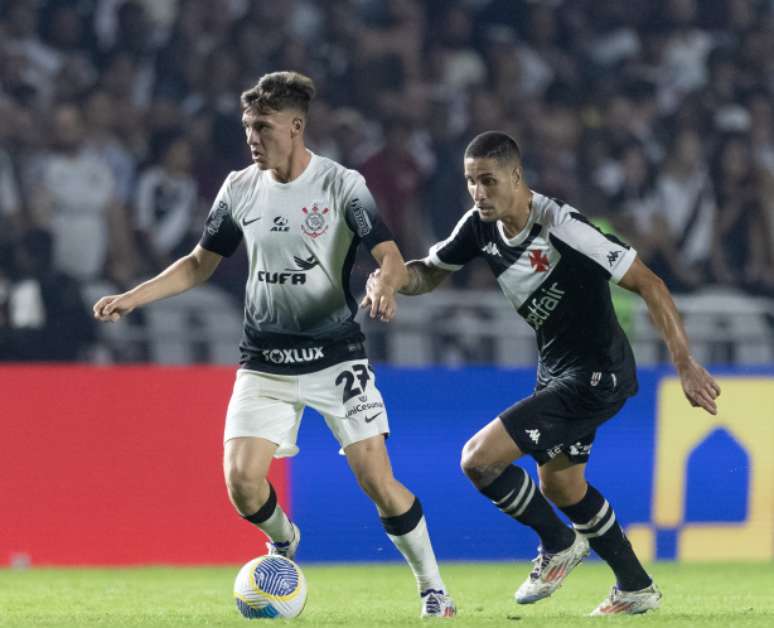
[{"x": 301, "y": 238}]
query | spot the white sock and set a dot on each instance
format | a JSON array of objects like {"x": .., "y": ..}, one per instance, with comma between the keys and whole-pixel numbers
[
  {"x": 277, "y": 527},
  {"x": 418, "y": 552},
  {"x": 272, "y": 520}
]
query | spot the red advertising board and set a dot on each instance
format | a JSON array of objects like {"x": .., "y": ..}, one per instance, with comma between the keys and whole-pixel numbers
[{"x": 119, "y": 466}]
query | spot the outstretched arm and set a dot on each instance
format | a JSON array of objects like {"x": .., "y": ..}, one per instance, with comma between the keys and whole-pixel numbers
[
  {"x": 422, "y": 277},
  {"x": 416, "y": 277},
  {"x": 698, "y": 385},
  {"x": 182, "y": 275}
]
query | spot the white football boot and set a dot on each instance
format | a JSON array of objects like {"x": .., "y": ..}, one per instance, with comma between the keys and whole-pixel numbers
[
  {"x": 288, "y": 548},
  {"x": 437, "y": 604},
  {"x": 550, "y": 570},
  {"x": 629, "y": 602}
]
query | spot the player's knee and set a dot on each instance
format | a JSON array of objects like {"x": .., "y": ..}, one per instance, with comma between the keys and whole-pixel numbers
[
  {"x": 474, "y": 464},
  {"x": 242, "y": 484},
  {"x": 374, "y": 483}
]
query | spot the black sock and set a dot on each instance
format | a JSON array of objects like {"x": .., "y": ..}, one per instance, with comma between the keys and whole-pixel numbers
[
  {"x": 594, "y": 518},
  {"x": 405, "y": 523},
  {"x": 516, "y": 495},
  {"x": 265, "y": 511}
]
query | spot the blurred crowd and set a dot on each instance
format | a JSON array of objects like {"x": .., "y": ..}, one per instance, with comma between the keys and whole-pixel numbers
[{"x": 119, "y": 119}]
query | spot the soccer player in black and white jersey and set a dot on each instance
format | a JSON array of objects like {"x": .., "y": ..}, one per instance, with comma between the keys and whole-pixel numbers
[
  {"x": 301, "y": 217},
  {"x": 554, "y": 266}
]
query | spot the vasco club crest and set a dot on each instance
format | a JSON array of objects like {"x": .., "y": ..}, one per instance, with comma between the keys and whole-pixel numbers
[{"x": 315, "y": 222}]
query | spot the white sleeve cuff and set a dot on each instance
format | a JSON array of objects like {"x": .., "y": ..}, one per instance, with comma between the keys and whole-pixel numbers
[
  {"x": 432, "y": 259},
  {"x": 623, "y": 265}
]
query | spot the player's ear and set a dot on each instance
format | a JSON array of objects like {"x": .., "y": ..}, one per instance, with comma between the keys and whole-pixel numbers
[
  {"x": 297, "y": 125},
  {"x": 516, "y": 176}
]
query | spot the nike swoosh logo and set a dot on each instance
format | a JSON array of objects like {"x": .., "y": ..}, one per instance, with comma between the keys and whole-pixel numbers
[
  {"x": 368, "y": 419},
  {"x": 246, "y": 222}
]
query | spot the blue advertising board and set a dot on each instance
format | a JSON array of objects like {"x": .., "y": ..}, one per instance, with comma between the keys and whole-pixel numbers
[{"x": 716, "y": 482}]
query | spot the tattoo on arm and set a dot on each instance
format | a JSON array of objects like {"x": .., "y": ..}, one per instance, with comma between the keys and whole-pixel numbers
[{"x": 422, "y": 278}]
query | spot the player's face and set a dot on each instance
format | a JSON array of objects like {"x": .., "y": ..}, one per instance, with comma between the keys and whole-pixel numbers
[
  {"x": 270, "y": 135},
  {"x": 492, "y": 186}
]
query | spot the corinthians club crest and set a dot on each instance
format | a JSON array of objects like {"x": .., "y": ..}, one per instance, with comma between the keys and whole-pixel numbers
[{"x": 315, "y": 222}]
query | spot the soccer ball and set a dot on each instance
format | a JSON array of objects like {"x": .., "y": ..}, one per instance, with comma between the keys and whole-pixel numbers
[{"x": 270, "y": 586}]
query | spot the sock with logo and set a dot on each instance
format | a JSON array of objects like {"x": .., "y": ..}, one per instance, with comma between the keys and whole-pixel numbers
[
  {"x": 514, "y": 493},
  {"x": 593, "y": 517},
  {"x": 409, "y": 534},
  {"x": 272, "y": 520}
]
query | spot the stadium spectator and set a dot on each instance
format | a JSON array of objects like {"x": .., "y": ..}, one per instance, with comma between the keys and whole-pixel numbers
[
  {"x": 166, "y": 202},
  {"x": 676, "y": 234},
  {"x": 632, "y": 201},
  {"x": 42, "y": 314},
  {"x": 740, "y": 255},
  {"x": 581, "y": 81},
  {"x": 74, "y": 196},
  {"x": 34, "y": 63},
  {"x": 394, "y": 177},
  {"x": 10, "y": 202},
  {"x": 102, "y": 140}
]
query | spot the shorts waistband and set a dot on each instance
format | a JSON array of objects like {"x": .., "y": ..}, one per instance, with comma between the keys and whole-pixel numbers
[{"x": 306, "y": 358}]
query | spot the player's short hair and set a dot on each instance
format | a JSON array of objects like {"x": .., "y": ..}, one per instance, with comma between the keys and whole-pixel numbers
[
  {"x": 494, "y": 145},
  {"x": 278, "y": 91}
]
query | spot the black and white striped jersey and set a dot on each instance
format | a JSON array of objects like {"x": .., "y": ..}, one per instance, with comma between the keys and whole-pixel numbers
[
  {"x": 301, "y": 238},
  {"x": 556, "y": 273}
]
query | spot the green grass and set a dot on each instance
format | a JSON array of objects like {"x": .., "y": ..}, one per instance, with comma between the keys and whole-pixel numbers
[{"x": 709, "y": 595}]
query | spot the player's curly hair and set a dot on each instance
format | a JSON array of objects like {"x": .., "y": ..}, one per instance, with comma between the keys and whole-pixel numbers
[
  {"x": 279, "y": 91},
  {"x": 494, "y": 145}
]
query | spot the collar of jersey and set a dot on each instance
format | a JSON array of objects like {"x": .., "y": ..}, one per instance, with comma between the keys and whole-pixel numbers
[
  {"x": 521, "y": 235},
  {"x": 299, "y": 180}
]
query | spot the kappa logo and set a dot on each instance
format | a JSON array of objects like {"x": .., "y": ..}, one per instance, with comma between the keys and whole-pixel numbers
[
  {"x": 315, "y": 223},
  {"x": 534, "y": 435},
  {"x": 280, "y": 224},
  {"x": 538, "y": 261},
  {"x": 612, "y": 256},
  {"x": 293, "y": 356},
  {"x": 490, "y": 248}
]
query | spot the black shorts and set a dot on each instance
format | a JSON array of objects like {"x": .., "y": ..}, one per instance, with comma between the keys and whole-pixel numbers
[{"x": 562, "y": 417}]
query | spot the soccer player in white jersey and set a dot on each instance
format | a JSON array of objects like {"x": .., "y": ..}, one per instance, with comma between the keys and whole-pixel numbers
[
  {"x": 554, "y": 266},
  {"x": 301, "y": 217}
]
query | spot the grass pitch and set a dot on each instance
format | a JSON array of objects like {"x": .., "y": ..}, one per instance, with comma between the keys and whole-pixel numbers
[{"x": 709, "y": 595}]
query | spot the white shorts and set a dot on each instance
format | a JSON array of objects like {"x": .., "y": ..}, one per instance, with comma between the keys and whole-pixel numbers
[{"x": 270, "y": 406}]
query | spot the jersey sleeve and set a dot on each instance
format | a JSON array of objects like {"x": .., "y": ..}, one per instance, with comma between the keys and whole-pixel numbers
[
  {"x": 459, "y": 248},
  {"x": 221, "y": 234},
  {"x": 362, "y": 215},
  {"x": 611, "y": 255}
]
